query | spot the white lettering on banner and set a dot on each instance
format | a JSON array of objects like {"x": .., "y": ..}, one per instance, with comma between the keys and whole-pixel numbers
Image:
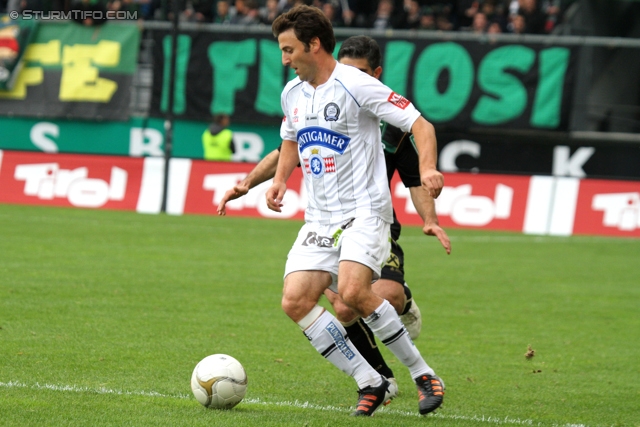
[
  {"x": 145, "y": 142},
  {"x": 621, "y": 210},
  {"x": 249, "y": 147},
  {"x": 451, "y": 151},
  {"x": 40, "y": 135},
  {"x": 464, "y": 208},
  {"x": 255, "y": 198},
  {"x": 566, "y": 165},
  {"x": 47, "y": 181}
]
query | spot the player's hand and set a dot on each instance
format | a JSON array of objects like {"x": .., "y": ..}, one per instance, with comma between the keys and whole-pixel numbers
[
  {"x": 432, "y": 181},
  {"x": 237, "y": 191},
  {"x": 274, "y": 196},
  {"x": 436, "y": 230}
]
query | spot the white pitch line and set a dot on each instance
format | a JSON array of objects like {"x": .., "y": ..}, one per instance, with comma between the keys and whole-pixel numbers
[
  {"x": 292, "y": 404},
  {"x": 529, "y": 239}
]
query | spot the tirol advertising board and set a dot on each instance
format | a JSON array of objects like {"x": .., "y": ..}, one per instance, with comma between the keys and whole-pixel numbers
[
  {"x": 543, "y": 205},
  {"x": 540, "y": 205},
  {"x": 106, "y": 182}
]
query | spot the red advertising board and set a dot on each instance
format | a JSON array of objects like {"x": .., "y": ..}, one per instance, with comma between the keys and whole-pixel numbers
[
  {"x": 468, "y": 200},
  {"x": 608, "y": 208},
  {"x": 107, "y": 182},
  {"x": 495, "y": 202},
  {"x": 209, "y": 181},
  {"x": 535, "y": 205},
  {"x": 560, "y": 205}
]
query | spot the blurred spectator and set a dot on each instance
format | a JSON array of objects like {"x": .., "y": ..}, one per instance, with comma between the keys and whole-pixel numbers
[
  {"x": 495, "y": 12},
  {"x": 534, "y": 17},
  {"x": 130, "y": 6},
  {"x": 384, "y": 18},
  {"x": 285, "y": 5},
  {"x": 223, "y": 12},
  {"x": 494, "y": 27},
  {"x": 413, "y": 14},
  {"x": 167, "y": 8},
  {"x": 200, "y": 11},
  {"x": 552, "y": 9},
  {"x": 480, "y": 23},
  {"x": 360, "y": 12},
  {"x": 518, "y": 24},
  {"x": 465, "y": 10},
  {"x": 246, "y": 13},
  {"x": 427, "y": 19},
  {"x": 97, "y": 18},
  {"x": 331, "y": 12},
  {"x": 269, "y": 12}
]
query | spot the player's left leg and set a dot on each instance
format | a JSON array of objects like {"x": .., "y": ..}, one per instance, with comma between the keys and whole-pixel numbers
[{"x": 367, "y": 240}]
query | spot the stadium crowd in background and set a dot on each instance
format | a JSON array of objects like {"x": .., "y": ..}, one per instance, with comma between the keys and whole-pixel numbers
[{"x": 478, "y": 16}]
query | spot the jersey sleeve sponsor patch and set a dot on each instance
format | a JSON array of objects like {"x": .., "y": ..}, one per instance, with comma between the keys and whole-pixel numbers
[{"x": 398, "y": 100}]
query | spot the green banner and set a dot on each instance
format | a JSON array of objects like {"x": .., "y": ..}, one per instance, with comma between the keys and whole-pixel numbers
[
  {"x": 75, "y": 71},
  {"x": 460, "y": 85},
  {"x": 136, "y": 137},
  {"x": 15, "y": 35}
]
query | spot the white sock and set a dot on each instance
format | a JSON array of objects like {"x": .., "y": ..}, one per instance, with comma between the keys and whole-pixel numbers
[
  {"x": 385, "y": 323},
  {"x": 330, "y": 339}
]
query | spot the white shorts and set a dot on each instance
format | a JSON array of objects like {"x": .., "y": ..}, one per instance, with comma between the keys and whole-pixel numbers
[{"x": 321, "y": 247}]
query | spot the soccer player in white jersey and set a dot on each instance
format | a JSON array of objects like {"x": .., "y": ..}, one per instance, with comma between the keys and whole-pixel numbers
[
  {"x": 331, "y": 126},
  {"x": 364, "y": 53}
]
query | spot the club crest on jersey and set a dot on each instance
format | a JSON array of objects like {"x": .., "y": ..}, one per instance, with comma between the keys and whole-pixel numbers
[
  {"x": 322, "y": 137},
  {"x": 398, "y": 100},
  {"x": 331, "y": 112},
  {"x": 317, "y": 166}
]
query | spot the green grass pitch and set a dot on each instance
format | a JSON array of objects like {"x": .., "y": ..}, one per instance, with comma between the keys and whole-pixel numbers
[{"x": 103, "y": 316}]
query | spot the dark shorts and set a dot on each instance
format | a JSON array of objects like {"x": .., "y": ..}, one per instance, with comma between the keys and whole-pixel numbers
[{"x": 393, "y": 269}]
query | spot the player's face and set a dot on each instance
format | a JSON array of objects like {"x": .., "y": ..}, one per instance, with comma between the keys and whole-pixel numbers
[
  {"x": 363, "y": 65},
  {"x": 295, "y": 56}
]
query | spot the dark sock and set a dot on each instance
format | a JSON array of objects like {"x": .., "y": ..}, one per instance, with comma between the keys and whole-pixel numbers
[
  {"x": 365, "y": 341},
  {"x": 407, "y": 294}
]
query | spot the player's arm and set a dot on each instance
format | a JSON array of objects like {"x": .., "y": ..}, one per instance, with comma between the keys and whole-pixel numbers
[
  {"x": 263, "y": 171},
  {"x": 424, "y": 135},
  {"x": 286, "y": 164},
  {"x": 426, "y": 207}
]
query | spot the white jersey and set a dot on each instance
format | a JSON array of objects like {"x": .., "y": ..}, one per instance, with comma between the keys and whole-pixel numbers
[{"x": 337, "y": 128}]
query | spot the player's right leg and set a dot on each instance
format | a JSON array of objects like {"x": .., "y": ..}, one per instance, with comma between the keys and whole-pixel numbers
[{"x": 364, "y": 340}]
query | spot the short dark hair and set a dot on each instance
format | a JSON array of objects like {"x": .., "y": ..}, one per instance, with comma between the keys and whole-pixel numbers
[
  {"x": 361, "y": 47},
  {"x": 307, "y": 22}
]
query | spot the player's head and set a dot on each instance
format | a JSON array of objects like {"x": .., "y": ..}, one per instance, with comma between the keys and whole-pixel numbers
[
  {"x": 307, "y": 24},
  {"x": 363, "y": 53}
]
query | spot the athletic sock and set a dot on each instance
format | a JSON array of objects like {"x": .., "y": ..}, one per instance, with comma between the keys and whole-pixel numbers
[
  {"x": 329, "y": 338},
  {"x": 386, "y": 324},
  {"x": 365, "y": 341},
  {"x": 408, "y": 298}
]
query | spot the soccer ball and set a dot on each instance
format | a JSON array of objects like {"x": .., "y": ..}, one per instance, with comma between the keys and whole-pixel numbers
[{"x": 219, "y": 381}]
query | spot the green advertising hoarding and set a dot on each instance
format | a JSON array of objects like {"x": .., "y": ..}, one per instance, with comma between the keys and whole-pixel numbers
[
  {"x": 458, "y": 84},
  {"x": 136, "y": 137}
]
